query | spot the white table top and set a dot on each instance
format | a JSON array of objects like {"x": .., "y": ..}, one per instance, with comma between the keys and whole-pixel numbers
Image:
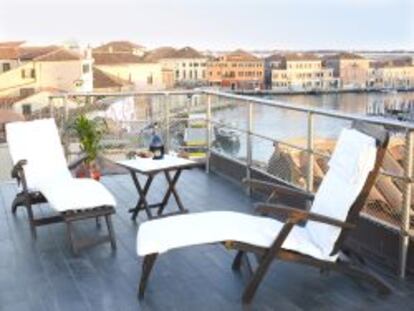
[{"x": 149, "y": 165}]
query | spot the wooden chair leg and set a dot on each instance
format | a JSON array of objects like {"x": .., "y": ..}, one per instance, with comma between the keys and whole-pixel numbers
[
  {"x": 237, "y": 261},
  {"x": 147, "y": 265},
  {"x": 19, "y": 200},
  {"x": 71, "y": 238},
  {"x": 31, "y": 221},
  {"x": 110, "y": 231}
]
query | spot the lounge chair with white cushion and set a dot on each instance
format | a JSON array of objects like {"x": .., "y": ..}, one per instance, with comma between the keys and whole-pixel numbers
[
  {"x": 354, "y": 167},
  {"x": 43, "y": 175}
]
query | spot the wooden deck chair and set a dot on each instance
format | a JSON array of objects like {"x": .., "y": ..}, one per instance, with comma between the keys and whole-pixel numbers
[
  {"x": 43, "y": 176},
  {"x": 354, "y": 167}
]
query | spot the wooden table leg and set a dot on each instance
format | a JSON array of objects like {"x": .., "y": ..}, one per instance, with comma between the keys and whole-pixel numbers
[
  {"x": 142, "y": 192},
  {"x": 171, "y": 190}
]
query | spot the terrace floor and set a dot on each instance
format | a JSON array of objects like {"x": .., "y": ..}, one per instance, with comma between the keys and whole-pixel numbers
[{"x": 44, "y": 275}]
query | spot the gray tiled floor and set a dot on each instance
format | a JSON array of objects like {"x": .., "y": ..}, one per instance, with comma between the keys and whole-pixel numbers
[{"x": 44, "y": 275}]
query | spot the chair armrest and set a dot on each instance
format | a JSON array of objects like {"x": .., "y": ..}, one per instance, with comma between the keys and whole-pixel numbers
[
  {"x": 277, "y": 188},
  {"x": 18, "y": 168},
  {"x": 298, "y": 214},
  {"x": 18, "y": 173},
  {"x": 77, "y": 162}
]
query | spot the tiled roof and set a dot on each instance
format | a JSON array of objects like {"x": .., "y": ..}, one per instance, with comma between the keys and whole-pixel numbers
[
  {"x": 240, "y": 55},
  {"x": 187, "y": 52},
  {"x": 300, "y": 57},
  {"x": 9, "y": 52},
  {"x": 59, "y": 55},
  {"x": 102, "y": 79},
  {"x": 160, "y": 53},
  {"x": 171, "y": 53},
  {"x": 117, "y": 47},
  {"x": 116, "y": 58},
  {"x": 29, "y": 53}
]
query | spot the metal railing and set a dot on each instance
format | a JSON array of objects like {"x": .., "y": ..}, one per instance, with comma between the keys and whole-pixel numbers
[{"x": 211, "y": 103}]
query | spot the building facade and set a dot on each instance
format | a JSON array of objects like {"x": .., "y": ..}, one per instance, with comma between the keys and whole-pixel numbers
[
  {"x": 301, "y": 72},
  {"x": 392, "y": 76},
  {"x": 128, "y": 67},
  {"x": 236, "y": 70},
  {"x": 187, "y": 64},
  {"x": 38, "y": 68},
  {"x": 352, "y": 70}
]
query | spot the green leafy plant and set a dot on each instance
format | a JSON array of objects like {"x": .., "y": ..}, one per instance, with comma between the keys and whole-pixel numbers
[{"x": 90, "y": 135}]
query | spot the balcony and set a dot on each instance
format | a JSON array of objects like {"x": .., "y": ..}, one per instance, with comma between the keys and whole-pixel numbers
[{"x": 44, "y": 274}]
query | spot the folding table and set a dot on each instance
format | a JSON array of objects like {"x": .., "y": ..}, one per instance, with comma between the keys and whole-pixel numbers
[{"x": 150, "y": 168}]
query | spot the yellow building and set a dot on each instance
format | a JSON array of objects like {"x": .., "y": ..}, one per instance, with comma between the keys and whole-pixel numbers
[
  {"x": 392, "y": 75},
  {"x": 39, "y": 68},
  {"x": 236, "y": 70},
  {"x": 301, "y": 72},
  {"x": 352, "y": 70},
  {"x": 134, "y": 69}
]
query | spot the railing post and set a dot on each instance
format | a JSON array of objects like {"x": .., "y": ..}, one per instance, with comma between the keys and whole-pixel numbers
[
  {"x": 51, "y": 110},
  {"x": 167, "y": 122},
  {"x": 64, "y": 122},
  {"x": 406, "y": 208},
  {"x": 249, "y": 151},
  {"x": 311, "y": 158},
  {"x": 208, "y": 133}
]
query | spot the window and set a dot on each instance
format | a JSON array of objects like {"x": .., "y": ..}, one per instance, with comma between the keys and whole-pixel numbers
[
  {"x": 6, "y": 67},
  {"x": 23, "y": 74},
  {"x": 85, "y": 68},
  {"x": 27, "y": 109},
  {"x": 149, "y": 80},
  {"x": 191, "y": 74},
  {"x": 177, "y": 74},
  {"x": 32, "y": 73},
  {"x": 195, "y": 74}
]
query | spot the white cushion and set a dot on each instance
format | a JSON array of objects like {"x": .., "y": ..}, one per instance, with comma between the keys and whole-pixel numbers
[
  {"x": 356, "y": 152},
  {"x": 65, "y": 194},
  {"x": 38, "y": 142},
  {"x": 341, "y": 185},
  {"x": 161, "y": 235},
  {"x": 46, "y": 170}
]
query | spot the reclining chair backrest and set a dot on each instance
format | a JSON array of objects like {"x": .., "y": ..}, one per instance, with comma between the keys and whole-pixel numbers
[
  {"x": 353, "y": 168},
  {"x": 38, "y": 142}
]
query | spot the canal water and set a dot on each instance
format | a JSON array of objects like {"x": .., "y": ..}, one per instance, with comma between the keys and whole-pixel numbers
[{"x": 291, "y": 126}]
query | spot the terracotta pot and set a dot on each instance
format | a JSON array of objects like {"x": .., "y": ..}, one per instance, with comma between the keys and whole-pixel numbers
[{"x": 88, "y": 171}]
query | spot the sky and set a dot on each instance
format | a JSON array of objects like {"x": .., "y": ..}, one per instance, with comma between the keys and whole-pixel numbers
[{"x": 214, "y": 24}]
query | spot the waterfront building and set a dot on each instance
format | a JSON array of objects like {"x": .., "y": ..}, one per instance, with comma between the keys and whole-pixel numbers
[
  {"x": 395, "y": 74},
  {"x": 121, "y": 47},
  {"x": 301, "y": 72},
  {"x": 351, "y": 69},
  {"x": 271, "y": 62},
  {"x": 144, "y": 75},
  {"x": 236, "y": 70},
  {"x": 188, "y": 65}
]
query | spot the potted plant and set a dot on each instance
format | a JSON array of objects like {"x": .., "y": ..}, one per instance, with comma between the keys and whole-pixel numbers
[{"x": 90, "y": 134}]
